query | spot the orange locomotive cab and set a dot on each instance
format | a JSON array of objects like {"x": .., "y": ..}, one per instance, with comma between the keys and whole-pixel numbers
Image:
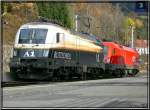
[
  {"x": 120, "y": 60},
  {"x": 114, "y": 52}
]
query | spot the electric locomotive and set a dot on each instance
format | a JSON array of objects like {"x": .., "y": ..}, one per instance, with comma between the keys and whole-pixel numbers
[
  {"x": 120, "y": 60},
  {"x": 45, "y": 51}
]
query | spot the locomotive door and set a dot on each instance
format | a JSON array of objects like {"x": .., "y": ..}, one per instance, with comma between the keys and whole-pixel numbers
[
  {"x": 112, "y": 59},
  {"x": 60, "y": 38}
]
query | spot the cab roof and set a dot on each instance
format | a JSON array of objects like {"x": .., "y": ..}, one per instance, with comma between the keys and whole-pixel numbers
[
  {"x": 44, "y": 23},
  {"x": 119, "y": 46},
  {"x": 112, "y": 44}
]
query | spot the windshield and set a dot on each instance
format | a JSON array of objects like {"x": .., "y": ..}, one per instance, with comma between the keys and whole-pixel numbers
[{"x": 33, "y": 36}]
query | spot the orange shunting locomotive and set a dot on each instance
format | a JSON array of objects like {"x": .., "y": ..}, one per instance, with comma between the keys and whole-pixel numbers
[{"x": 120, "y": 60}]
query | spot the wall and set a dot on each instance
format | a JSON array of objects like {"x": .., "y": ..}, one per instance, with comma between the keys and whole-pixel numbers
[
  {"x": 142, "y": 50},
  {"x": 7, "y": 52}
]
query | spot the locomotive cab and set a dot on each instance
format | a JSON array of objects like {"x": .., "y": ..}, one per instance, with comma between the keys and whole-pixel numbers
[{"x": 29, "y": 49}]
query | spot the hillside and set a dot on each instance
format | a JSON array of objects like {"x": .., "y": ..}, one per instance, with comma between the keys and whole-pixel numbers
[
  {"x": 17, "y": 15},
  {"x": 104, "y": 20}
]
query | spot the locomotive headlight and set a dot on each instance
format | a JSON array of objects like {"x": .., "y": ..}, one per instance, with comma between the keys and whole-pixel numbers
[{"x": 106, "y": 59}]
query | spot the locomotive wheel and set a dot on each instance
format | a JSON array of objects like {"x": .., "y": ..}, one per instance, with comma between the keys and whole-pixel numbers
[
  {"x": 56, "y": 75},
  {"x": 130, "y": 73},
  {"x": 66, "y": 77},
  {"x": 50, "y": 77},
  {"x": 92, "y": 74},
  {"x": 117, "y": 73},
  {"x": 99, "y": 72},
  {"x": 108, "y": 73},
  {"x": 120, "y": 73},
  {"x": 89, "y": 73},
  {"x": 63, "y": 74},
  {"x": 114, "y": 73},
  {"x": 135, "y": 71},
  {"x": 95, "y": 73},
  {"x": 123, "y": 73},
  {"x": 14, "y": 74}
]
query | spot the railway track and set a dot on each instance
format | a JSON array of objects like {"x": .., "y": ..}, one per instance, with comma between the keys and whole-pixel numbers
[
  {"x": 25, "y": 83},
  {"x": 16, "y": 83}
]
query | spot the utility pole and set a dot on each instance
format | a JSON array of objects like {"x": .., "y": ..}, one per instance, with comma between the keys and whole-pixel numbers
[
  {"x": 77, "y": 17},
  {"x": 76, "y": 23},
  {"x": 116, "y": 20},
  {"x": 132, "y": 31}
]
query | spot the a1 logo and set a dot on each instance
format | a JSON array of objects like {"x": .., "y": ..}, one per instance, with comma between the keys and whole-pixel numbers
[{"x": 29, "y": 54}]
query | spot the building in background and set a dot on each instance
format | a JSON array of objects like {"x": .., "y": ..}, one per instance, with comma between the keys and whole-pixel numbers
[{"x": 142, "y": 46}]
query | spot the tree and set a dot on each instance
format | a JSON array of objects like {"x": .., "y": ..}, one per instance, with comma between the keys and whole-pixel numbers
[
  {"x": 127, "y": 23},
  {"x": 6, "y": 7},
  {"x": 106, "y": 20},
  {"x": 56, "y": 11},
  {"x": 14, "y": 15},
  {"x": 139, "y": 29}
]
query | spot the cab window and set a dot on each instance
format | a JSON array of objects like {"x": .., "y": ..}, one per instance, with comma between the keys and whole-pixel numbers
[
  {"x": 33, "y": 36},
  {"x": 105, "y": 50}
]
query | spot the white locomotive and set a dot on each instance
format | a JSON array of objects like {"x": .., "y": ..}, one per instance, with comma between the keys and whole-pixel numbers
[{"x": 46, "y": 50}]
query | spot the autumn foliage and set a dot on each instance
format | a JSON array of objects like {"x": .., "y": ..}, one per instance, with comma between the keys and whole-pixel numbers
[{"x": 104, "y": 20}]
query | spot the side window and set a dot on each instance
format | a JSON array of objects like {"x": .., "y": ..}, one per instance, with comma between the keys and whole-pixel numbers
[
  {"x": 57, "y": 38},
  {"x": 105, "y": 50}
]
